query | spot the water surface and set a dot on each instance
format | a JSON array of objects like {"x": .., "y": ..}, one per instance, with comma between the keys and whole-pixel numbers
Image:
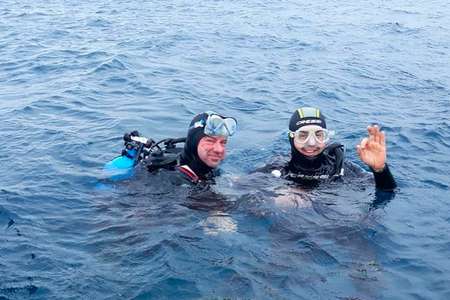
[{"x": 76, "y": 75}]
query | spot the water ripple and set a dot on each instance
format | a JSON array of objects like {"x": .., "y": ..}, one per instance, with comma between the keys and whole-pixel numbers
[{"x": 76, "y": 76}]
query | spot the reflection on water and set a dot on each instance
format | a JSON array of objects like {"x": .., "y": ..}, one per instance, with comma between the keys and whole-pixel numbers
[{"x": 217, "y": 223}]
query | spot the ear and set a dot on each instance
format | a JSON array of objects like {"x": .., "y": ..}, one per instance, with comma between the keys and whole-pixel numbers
[{"x": 291, "y": 135}]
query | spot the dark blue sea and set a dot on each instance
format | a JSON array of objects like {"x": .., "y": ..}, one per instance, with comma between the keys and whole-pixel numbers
[{"x": 76, "y": 75}]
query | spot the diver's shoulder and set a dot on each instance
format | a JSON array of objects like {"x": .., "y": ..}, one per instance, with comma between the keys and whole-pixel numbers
[
  {"x": 335, "y": 148},
  {"x": 189, "y": 175},
  {"x": 185, "y": 172}
]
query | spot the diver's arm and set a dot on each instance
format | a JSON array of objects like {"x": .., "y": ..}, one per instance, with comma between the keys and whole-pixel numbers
[
  {"x": 384, "y": 180},
  {"x": 385, "y": 187},
  {"x": 372, "y": 151}
]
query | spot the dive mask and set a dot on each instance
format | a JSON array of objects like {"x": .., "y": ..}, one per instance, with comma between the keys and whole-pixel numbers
[
  {"x": 304, "y": 135},
  {"x": 217, "y": 125}
]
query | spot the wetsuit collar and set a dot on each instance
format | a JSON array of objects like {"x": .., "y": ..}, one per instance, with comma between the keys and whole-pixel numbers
[
  {"x": 300, "y": 163},
  {"x": 196, "y": 165},
  {"x": 189, "y": 173}
]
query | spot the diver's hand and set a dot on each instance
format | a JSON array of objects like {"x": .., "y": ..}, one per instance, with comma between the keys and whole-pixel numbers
[{"x": 372, "y": 149}]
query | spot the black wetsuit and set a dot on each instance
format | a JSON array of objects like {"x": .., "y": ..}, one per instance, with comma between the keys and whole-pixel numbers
[
  {"x": 183, "y": 171},
  {"x": 327, "y": 166},
  {"x": 194, "y": 177}
]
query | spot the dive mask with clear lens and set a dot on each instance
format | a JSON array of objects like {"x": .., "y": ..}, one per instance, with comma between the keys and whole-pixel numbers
[
  {"x": 320, "y": 135},
  {"x": 216, "y": 125}
]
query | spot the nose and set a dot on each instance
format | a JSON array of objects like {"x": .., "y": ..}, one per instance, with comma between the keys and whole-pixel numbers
[
  {"x": 218, "y": 147},
  {"x": 311, "y": 141}
]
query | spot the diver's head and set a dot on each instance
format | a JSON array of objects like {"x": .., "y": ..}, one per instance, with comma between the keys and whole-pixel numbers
[
  {"x": 308, "y": 135},
  {"x": 205, "y": 146}
]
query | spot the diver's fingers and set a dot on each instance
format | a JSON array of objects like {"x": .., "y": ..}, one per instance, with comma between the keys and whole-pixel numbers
[
  {"x": 372, "y": 133},
  {"x": 376, "y": 128},
  {"x": 362, "y": 151},
  {"x": 363, "y": 143},
  {"x": 359, "y": 151},
  {"x": 377, "y": 134},
  {"x": 382, "y": 138},
  {"x": 370, "y": 130}
]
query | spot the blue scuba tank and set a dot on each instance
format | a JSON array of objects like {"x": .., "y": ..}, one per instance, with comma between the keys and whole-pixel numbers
[{"x": 122, "y": 166}]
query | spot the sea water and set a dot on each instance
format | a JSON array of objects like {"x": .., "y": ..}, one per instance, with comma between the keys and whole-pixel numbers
[{"x": 76, "y": 75}]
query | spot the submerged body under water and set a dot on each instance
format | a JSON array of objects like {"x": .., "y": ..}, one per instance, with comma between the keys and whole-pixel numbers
[
  {"x": 76, "y": 75},
  {"x": 265, "y": 227}
]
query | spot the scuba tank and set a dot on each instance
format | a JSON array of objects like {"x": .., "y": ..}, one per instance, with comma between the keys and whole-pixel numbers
[{"x": 155, "y": 155}]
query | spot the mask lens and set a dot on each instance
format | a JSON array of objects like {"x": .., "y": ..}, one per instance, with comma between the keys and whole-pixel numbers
[
  {"x": 320, "y": 135},
  {"x": 302, "y": 136},
  {"x": 216, "y": 125},
  {"x": 231, "y": 125}
]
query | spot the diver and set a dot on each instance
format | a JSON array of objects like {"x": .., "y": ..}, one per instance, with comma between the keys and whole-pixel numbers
[
  {"x": 204, "y": 149},
  {"x": 314, "y": 160},
  {"x": 205, "y": 146}
]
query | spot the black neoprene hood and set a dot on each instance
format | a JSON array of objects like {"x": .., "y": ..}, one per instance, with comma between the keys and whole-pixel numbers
[
  {"x": 306, "y": 116},
  {"x": 190, "y": 155}
]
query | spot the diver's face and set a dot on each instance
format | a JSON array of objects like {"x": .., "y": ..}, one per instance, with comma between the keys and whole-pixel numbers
[
  {"x": 308, "y": 140},
  {"x": 211, "y": 150}
]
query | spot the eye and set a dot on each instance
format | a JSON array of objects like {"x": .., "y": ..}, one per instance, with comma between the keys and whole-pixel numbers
[
  {"x": 303, "y": 135},
  {"x": 209, "y": 140},
  {"x": 320, "y": 134}
]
